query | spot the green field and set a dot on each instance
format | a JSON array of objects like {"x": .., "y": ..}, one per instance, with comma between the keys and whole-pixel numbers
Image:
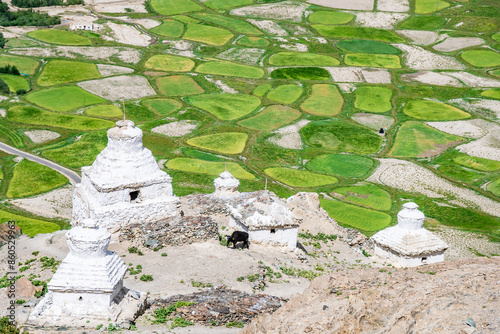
[
  {"x": 343, "y": 165},
  {"x": 301, "y": 73},
  {"x": 286, "y": 94},
  {"x": 172, "y": 7},
  {"x": 57, "y": 72},
  {"x": 229, "y": 69},
  {"x": 207, "y": 34},
  {"x": 494, "y": 187},
  {"x": 169, "y": 28},
  {"x": 302, "y": 59},
  {"x": 225, "y": 106},
  {"x": 481, "y": 164},
  {"x": 433, "y": 111},
  {"x": 261, "y": 90},
  {"x": 481, "y": 58},
  {"x": 423, "y": 22},
  {"x": 60, "y": 37},
  {"x": 492, "y": 93},
  {"x": 162, "y": 106},
  {"x": 24, "y": 65},
  {"x": 31, "y": 115},
  {"x": 104, "y": 110},
  {"x": 169, "y": 63},
  {"x": 353, "y": 216},
  {"x": 222, "y": 4},
  {"x": 178, "y": 85},
  {"x": 330, "y": 17},
  {"x": 373, "y": 99},
  {"x": 271, "y": 118},
  {"x": 372, "y": 60},
  {"x": 29, "y": 226},
  {"x": 31, "y": 178},
  {"x": 15, "y": 82},
  {"x": 429, "y": 6},
  {"x": 340, "y": 135},
  {"x": 358, "y": 32},
  {"x": 299, "y": 178},
  {"x": 367, "y": 46},
  {"x": 63, "y": 98},
  {"x": 253, "y": 41},
  {"x": 208, "y": 167},
  {"x": 415, "y": 139},
  {"x": 325, "y": 100},
  {"x": 226, "y": 142},
  {"x": 239, "y": 26},
  {"x": 367, "y": 195}
]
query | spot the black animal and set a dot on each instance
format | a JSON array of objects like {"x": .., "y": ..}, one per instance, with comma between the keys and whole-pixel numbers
[{"x": 238, "y": 236}]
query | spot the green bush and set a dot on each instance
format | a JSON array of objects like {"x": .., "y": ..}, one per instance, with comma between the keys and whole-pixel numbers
[{"x": 146, "y": 278}]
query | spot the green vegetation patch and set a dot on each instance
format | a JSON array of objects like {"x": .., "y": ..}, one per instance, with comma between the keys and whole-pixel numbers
[
  {"x": 343, "y": 165},
  {"x": 178, "y": 85},
  {"x": 207, "y": 34},
  {"x": 240, "y": 26},
  {"x": 15, "y": 82},
  {"x": 423, "y": 22},
  {"x": 353, "y": 216},
  {"x": 302, "y": 59},
  {"x": 481, "y": 58},
  {"x": 271, "y": 118},
  {"x": 63, "y": 98},
  {"x": 57, "y": 72},
  {"x": 325, "y": 100},
  {"x": 61, "y": 37},
  {"x": 433, "y": 111},
  {"x": 494, "y": 187},
  {"x": 29, "y": 226},
  {"x": 340, "y": 135},
  {"x": 429, "y": 6},
  {"x": 492, "y": 93},
  {"x": 367, "y": 46},
  {"x": 358, "y": 32},
  {"x": 229, "y": 69},
  {"x": 415, "y": 139},
  {"x": 169, "y": 28},
  {"x": 31, "y": 115},
  {"x": 162, "y": 106},
  {"x": 286, "y": 94},
  {"x": 226, "y": 142},
  {"x": 222, "y": 4},
  {"x": 372, "y": 60},
  {"x": 481, "y": 164},
  {"x": 169, "y": 63},
  {"x": 172, "y": 7},
  {"x": 322, "y": 17},
  {"x": 367, "y": 195},
  {"x": 225, "y": 106},
  {"x": 104, "y": 110},
  {"x": 253, "y": 41},
  {"x": 301, "y": 73},
  {"x": 299, "y": 178},
  {"x": 209, "y": 167},
  {"x": 261, "y": 90},
  {"x": 24, "y": 65},
  {"x": 373, "y": 99},
  {"x": 31, "y": 178},
  {"x": 496, "y": 37}
]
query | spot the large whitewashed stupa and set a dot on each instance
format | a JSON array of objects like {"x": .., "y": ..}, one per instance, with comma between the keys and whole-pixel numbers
[
  {"x": 226, "y": 185},
  {"x": 124, "y": 184}
]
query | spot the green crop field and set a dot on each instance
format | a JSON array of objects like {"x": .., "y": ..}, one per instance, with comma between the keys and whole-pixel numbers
[
  {"x": 31, "y": 178},
  {"x": 415, "y": 139},
  {"x": 208, "y": 167},
  {"x": 222, "y": 4},
  {"x": 301, "y": 73},
  {"x": 24, "y": 65},
  {"x": 162, "y": 106},
  {"x": 358, "y": 32},
  {"x": 372, "y": 60},
  {"x": 325, "y": 100},
  {"x": 178, "y": 85},
  {"x": 494, "y": 187},
  {"x": 15, "y": 82},
  {"x": 207, "y": 34},
  {"x": 271, "y": 118},
  {"x": 481, "y": 164},
  {"x": 492, "y": 93},
  {"x": 169, "y": 63},
  {"x": 225, "y": 142},
  {"x": 367, "y": 46},
  {"x": 261, "y": 90},
  {"x": 104, "y": 110},
  {"x": 481, "y": 58},
  {"x": 57, "y": 72},
  {"x": 286, "y": 94},
  {"x": 63, "y": 98},
  {"x": 229, "y": 69},
  {"x": 239, "y": 26},
  {"x": 253, "y": 41},
  {"x": 169, "y": 28},
  {"x": 299, "y": 178},
  {"x": 342, "y": 165},
  {"x": 353, "y": 216},
  {"x": 330, "y": 17},
  {"x": 171, "y": 7},
  {"x": 429, "y": 6},
  {"x": 225, "y": 106},
  {"x": 367, "y": 195},
  {"x": 60, "y": 37},
  {"x": 301, "y": 59},
  {"x": 423, "y": 22},
  {"x": 29, "y": 226},
  {"x": 433, "y": 111},
  {"x": 373, "y": 99},
  {"x": 31, "y": 115}
]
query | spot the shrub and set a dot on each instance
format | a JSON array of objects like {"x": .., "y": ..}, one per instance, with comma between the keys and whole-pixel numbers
[
  {"x": 181, "y": 322},
  {"x": 21, "y": 91},
  {"x": 237, "y": 324},
  {"x": 146, "y": 278},
  {"x": 164, "y": 254}
]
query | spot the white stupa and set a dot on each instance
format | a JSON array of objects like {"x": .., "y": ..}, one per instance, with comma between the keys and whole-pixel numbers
[
  {"x": 226, "y": 185},
  {"x": 408, "y": 243},
  {"x": 124, "y": 184},
  {"x": 87, "y": 289}
]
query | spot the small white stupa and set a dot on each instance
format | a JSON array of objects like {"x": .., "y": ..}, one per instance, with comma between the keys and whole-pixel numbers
[
  {"x": 408, "y": 243},
  {"x": 87, "y": 289},
  {"x": 226, "y": 185},
  {"x": 124, "y": 184}
]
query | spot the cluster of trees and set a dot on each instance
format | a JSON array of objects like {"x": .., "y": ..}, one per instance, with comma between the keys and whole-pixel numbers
[
  {"x": 25, "y": 18},
  {"x": 9, "y": 69},
  {"x": 44, "y": 3}
]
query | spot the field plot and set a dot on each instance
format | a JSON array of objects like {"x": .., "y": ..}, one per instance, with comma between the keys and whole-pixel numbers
[
  {"x": 208, "y": 167},
  {"x": 271, "y": 118},
  {"x": 301, "y": 73},
  {"x": 367, "y": 46},
  {"x": 481, "y": 164},
  {"x": 302, "y": 59},
  {"x": 162, "y": 106},
  {"x": 481, "y": 58},
  {"x": 372, "y": 60},
  {"x": 31, "y": 178},
  {"x": 340, "y": 135},
  {"x": 207, "y": 34},
  {"x": 423, "y": 22},
  {"x": 57, "y": 72},
  {"x": 60, "y": 37},
  {"x": 229, "y": 69},
  {"x": 171, "y": 7},
  {"x": 358, "y": 32},
  {"x": 415, "y": 139},
  {"x": 492, "y": 93},
  {"x": 31, "y": 115},
  {"x": 343, "y": 165},
  {"x": 169, "y": 63},
  {"x": 429, "y": 6},
  {"x": 30, "y": 226},
  {"x": 24, "y": 65},
  {"x": 123, "y": 87},
  {"x": 286, "y": 94},
  {"x": 178, "y": 85},
  {"x": 104, "y": 110},
  {"x": 253, "y": 41},
  {"x": 356, "y": 217},
  {"x": 330, "y": 17},
  {"x": 325, "y": 100},
  {"x": 222, "y": 4},
  {"x": 225, "y": 106},
  {"x": 63, "y": 98},
  {"x": 169, "y": 28},
  {"x": 226, "y": 142},
  {"x": 367, "y": 195},
  {"x": 299, "y": 178},
  {"x": 433, "y": 111},
  {"x": 261, "y": 90},
  {"x": 373, "y": 99},
  {"x": 239, "y": 26},
  {"x": 494, "y": 187},
  {"x": 15, "y": 82}
]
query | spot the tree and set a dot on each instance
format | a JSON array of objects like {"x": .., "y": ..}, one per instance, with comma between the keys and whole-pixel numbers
[
  {"x": 2, "y": 40},
  {"x": 4, "y": 88}
]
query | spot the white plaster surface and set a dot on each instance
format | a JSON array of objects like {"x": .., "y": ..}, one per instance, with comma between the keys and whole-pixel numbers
[{"x": 226, "y": 185}]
